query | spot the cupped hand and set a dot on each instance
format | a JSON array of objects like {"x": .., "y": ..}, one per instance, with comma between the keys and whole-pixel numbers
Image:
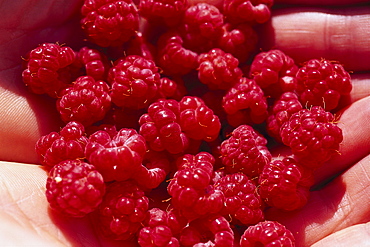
[{"x": 338, "y": 210}]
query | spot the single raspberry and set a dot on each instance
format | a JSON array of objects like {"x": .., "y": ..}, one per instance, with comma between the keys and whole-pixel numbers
[
  {"x": 68, "y": 144},
  {"x": 109, "y": 22},
  {"x": 245, "y": 151},
  {"x": 285, "y": 184},
  {"x": 240, "y": 41},
  {"x": 285, "y": 106},
  {"x": 74, "y": 188},
  {"x": 172, "y": 57},
  {"x": 201, "y": 26},
  {"x": 47, "y": 70},
  {"x": 212, "y": 230},
  {"x": 122, "y": 211},
  {"x": 161, "y": 12},
  {"x": 251, "y": 11},
  {"x": 94, "y": 63},
  {"x": 197, "y": 121},
  {"x": 267, "y": 233},
  {"x": 134, "y": 81},
  {"x": 274, "y": 72},
  {"x": 169, "y": 88},
  {"x": 86, "y": 101},
  {"x": 117, "y": 157},
  {"x": 312, "y": 135},
  {"x": 245, "y": 103},
  {"x": 218, "y": 69},
  {"x": 322, "y": 83},
  {"x": 161, "y": 127},
  {"x": 242, "y": 202}
]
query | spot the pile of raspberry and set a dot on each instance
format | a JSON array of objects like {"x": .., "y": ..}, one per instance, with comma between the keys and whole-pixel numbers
[{"x": 166, "y": 138}]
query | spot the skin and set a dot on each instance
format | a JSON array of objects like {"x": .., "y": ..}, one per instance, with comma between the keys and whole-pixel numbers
[{"x": 337, "y": 214}]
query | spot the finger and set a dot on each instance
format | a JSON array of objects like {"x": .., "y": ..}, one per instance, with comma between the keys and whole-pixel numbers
[
  {"x": 340, "y": 34},
  {"x": 343, "y": 203}
]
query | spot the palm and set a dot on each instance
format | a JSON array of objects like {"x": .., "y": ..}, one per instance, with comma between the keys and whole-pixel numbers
[{"x": 27, "y": 117}]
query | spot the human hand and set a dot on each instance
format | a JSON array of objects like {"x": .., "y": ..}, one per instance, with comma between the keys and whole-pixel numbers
[{"x": 341, "y": 205}]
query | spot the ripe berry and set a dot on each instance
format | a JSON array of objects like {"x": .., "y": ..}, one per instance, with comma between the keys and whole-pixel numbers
[
  {"x": 94, "y": 62},
  {"x": 267, "y": 233},
  {"x": 245, "y": 151},
  {"x": 117, "y": 157},
  {"x": 47, "y": 70},
  {"x": 68, "y": 144},
  {"x": 285, "y": 184},
  {"x": 74, "y": 188},
  {"x": 86, "y": 101},
  {"x": 109, "y": 22},
  {"x": 321, "y": 83},
  {"x": 252, "y": 11}
]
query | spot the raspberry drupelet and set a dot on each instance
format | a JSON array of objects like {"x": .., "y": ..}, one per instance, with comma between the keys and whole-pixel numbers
[
  {"x": 109, "y": 22},
  {"x": 67, "y": 144},
  {"x": 267, "y": 233},
  {"x": 245, "y": 151},
  {"x": 285, "y": 184},
  {"x": 74, "y": 188},
  {"x": 117, "y": 157},
  {"x": 322, "y": 83},
  {"x": 47, "y": 69},
  {"x": 86, "y": 101}
]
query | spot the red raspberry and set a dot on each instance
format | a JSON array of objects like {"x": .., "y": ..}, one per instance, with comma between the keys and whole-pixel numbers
[
  {"x": 240, "y": 41},
  {"x": 139, "y": 45},
  {"x": 274, "y": 72},
  {"x": 134, "y": 81},
  {"x": 242, "y": 202},
  {"x": 252, "y": 11},
  {"x": 197, "y": 121},
  {"x": 109, "y": 22},
  {"x": 86, "y": 101},
  {"x": 322, "y": 82},
  {"x": 161, "y": 128},
  {"x": 245, "y": 151},
  {"x": 287, "y": 104},
  {"x": 201, "y": 26},
  {"x": 68, "y": 144},
  {"x": 46, "y": 69},
  {"x": 245, "y": 103},
  {"x": 169, "y": 88},
  {"x": 285, "y": 184},
  {"x": 74, "y": 188},
  {"x": 218, "y": 70},
  {"x": 94, "y": 62},
  {"x": 312, "y": 135},
  {"x": 117, "y": 157},
  {"x": 172, "y": 57},
  {"x": 122, "y": 211}
]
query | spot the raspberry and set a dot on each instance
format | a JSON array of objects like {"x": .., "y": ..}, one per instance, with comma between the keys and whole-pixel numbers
[
  {"x": 94, "y": 62},
  {"x": 285, "y": 184},
  {"x": 139, "y": 45},
  {"x": 322, "y": 83},
  {"x": 122, "y": 211},
  {"x": 161, "y": 128},
  {"x": 109, "y": 22},
  {"x": 287, "y": 104},
  {"x": 172, "y": 57},
  {"x": 201, "y": 26},
  {"x": 274, "y": 72},
  {"x": 197, "y": 121},
  {"x": 86, "y": 101},
  {"x": 74, "y": 188},
  {"x": 245, "y": 100},
  {"x": 46, "y": 69},
  {"x": 245, "y": 151},
  {"x": 169, "y": 88},
  {"x": 117, "y": 157},
  {"x": 242, "y": 202},
  {"x": 68, "y": 144},
  {"x": 252, "y": 11},
  {"x": 312, "y": 136},
  {"x": 267, "y": 233},
  {"x": 240, "y": 40},
  {"x": 218, "y": 70},
  {"x": 134, "y": 81}
]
